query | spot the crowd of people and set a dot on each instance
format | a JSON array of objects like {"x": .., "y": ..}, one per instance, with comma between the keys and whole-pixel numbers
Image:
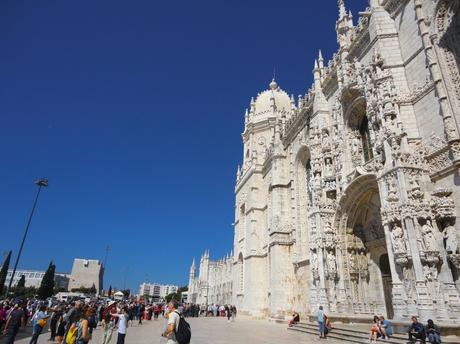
[
  {"x": 381, "y": 328},
  {"x": 194, "y": 310},
  {"x": 74, "y": 322}
]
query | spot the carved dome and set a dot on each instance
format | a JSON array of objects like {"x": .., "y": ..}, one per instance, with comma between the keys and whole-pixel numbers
[{"x": 275, "y": 98}]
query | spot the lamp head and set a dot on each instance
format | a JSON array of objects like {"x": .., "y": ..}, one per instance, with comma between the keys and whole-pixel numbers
[{"x": 42, "y": 182}]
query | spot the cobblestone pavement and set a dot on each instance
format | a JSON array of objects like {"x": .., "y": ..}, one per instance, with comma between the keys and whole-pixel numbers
[{"x": 209, "y": 331}]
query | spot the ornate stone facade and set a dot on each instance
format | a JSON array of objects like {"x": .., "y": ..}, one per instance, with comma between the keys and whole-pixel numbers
[
  {"x": 348, "y": 197},
  {"x": 214, "y": 283}
]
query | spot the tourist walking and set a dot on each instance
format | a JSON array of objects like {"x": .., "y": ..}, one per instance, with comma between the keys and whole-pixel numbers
[
  {"x": 433, "y": 333},
  {"x": 233, "y": 313},
  {"x": 38, "y": 323},
  {"x": 122, "y": 324},
  {"x": 83, "y": 332},
  {"x": 107, "y": 327},
  {"x": 61, "y": 329},
  {"x": 13, "y": 322},
  {"x": 173, "y": 323},
  {"x": 321, "y": 322},
  {"x": 57, "y": 313}
]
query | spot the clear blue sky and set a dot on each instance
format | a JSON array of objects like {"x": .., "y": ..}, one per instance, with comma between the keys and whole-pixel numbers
[{"x": 133, "y": 110}]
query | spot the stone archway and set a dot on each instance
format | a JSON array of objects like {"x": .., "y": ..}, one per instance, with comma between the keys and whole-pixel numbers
[{"x": 363, "y": 275}]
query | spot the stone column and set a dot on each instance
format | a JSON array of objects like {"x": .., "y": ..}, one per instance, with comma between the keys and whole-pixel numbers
[
  {"x": 450, "y": 126},
  {"x": 321, "y": 294},
  {"x": 342, "y": 304},
  {"x": 398, "y": 292},
  {"x": 451, "y": 299},
  {"x": 424, "y": 299}
]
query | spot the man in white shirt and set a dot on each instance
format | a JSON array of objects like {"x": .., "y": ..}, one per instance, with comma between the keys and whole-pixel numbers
[
  {"x": 173, "y": 323},
  {"x": 122, "y": 325}
]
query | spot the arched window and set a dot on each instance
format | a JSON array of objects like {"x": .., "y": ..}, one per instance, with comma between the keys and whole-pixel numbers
[{"x": 366, "y": 139}]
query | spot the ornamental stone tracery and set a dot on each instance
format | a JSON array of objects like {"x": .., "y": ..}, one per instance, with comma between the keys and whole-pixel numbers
[{"x": 354, "y": 187}]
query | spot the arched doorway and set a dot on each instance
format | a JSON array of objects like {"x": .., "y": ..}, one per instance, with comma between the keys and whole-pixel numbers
[{"x": 365, "y": 272}]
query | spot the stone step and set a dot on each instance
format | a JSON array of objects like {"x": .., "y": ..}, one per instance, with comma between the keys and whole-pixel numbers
[
  {"x": 349, "y": 329},
  {"x": 358, "y": 335}
]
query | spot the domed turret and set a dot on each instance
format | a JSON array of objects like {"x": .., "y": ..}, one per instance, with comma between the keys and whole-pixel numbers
[{"x": 270, "y": 103}]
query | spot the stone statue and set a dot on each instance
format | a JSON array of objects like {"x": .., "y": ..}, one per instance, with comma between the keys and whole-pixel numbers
[
  {"x": 397, "y": 237},
  {"x": 314, "y": 260},
  {"x": 429, "y": 240},
  {"x": 353, "y": 261},
  {"x": 363, "y": 263},
  {"x": 331, "y": 262},
  {"x": 450, "y": 235},
  {"x": 328, "y": 167},
  {"x": 428, "y": 273}
]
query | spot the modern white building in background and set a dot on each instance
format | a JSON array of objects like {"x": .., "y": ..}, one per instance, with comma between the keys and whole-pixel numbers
[
  {"x": 156, "y": 291},
  {"x": 348, "y": 197},
  {"x": 34, "y": 278}
]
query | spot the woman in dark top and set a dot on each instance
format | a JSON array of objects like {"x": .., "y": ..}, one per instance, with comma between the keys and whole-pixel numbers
[{"x": 61, "y": 329}]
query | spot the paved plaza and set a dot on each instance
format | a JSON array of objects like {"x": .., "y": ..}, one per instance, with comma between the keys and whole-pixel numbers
[{"x": 207, "y": 331}]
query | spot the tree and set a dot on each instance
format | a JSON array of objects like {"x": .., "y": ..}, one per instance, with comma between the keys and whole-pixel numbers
[
  {"x": 21, "y": 282},
  {"x": 126, "y": 292},
  {"x": 110, "y": 292},
  {"x": 20, "y": 289},
  {"x": 182, "y": 289},
  {"x": 93, "y": 290},
  {"x": 175, "y": 296},
  {"x": 4, "y": 271},
  {"x": 47, "y": 286}
]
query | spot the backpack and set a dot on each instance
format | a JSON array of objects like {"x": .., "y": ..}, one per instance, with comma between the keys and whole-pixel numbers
[
  {"x": 183, "y": 332},
  {"x": 71, "y": 337}
]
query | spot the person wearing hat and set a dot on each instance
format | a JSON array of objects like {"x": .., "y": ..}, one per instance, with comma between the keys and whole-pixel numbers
[{"x": 13, "y": 323}]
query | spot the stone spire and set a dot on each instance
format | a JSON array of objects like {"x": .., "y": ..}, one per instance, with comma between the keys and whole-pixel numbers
[
  {"x": 344, "y": 25},
  {"x": 193, "y": 267},
  {"x": 342, "y": 9},
  {"x": 320, "y": 103},
  {"x": 320, "y": 59}
]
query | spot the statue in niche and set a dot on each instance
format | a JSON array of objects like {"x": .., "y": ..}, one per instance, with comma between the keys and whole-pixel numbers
[
  {"x": 328, "y": 167},
  {"x": 314, "y": 260},
  {"x": 429, "y": 241},
  {"x": 428, "y": 273},
  {"x": 363, "y": 262},
  {"x": 331, "y": 262},
  {"x": 355, "y": 143},
  {"x": 397, "y": 237},
  {"x": 451, "y": 239},
  {"x": 325, "y": 137}
]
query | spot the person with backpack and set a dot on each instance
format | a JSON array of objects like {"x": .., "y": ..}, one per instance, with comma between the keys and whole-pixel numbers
[
  {"x": 178, "y": 330},
  {"x": 79, "y": 330}
]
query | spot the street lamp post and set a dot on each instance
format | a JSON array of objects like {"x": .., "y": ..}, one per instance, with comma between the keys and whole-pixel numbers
[{"x": 42, "y": 182}]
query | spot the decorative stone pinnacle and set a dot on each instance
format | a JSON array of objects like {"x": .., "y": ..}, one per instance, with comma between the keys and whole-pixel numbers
[
  {"x": 342, "y": 9},
  {"x": 273, "y": 85}
]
